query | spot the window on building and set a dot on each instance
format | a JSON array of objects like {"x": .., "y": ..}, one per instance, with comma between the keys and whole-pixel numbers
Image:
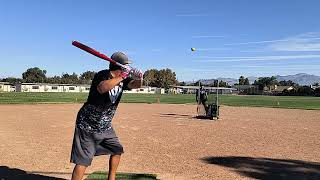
[
  {"x": 141, "y": 89},
  {"x": 0, "y": 87},
  {"x": 54, "y": 87},
  {"x": 35, "y": 87},
  {"x": 153, "y": 89},
  {"x": 71, "y": 88}
]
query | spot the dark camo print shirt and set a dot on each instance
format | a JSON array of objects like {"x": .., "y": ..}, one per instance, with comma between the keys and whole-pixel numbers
[{"x": 96, "y": 114}]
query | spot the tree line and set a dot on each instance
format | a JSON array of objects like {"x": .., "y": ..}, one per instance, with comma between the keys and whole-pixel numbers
[
  {"x": 37, "y": 75},
  {"x": 297, "y": 90},
  {"x": 163, "y": 78}
]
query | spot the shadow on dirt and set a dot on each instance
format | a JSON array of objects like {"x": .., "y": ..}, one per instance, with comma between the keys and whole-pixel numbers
[
  {"x": 186, "y": 116},
  {"x": 7, "y": 173},
  {"x": 173, "y": 115},
  {"x": 267, "y": 168}
]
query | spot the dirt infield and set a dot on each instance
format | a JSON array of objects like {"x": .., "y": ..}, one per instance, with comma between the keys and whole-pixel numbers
[{"x": 167, "y": 140}]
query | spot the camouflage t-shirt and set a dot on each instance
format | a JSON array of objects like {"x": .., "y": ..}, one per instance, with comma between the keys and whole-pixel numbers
[{"x": 96, "y": 114}]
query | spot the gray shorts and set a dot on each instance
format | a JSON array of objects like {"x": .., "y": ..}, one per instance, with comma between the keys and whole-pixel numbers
[{"x": 87, "y": 145}]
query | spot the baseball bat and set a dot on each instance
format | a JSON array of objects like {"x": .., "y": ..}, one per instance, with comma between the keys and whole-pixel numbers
[{"x": 96, "y": 53}]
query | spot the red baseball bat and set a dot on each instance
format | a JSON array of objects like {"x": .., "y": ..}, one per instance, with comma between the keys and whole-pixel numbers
[{"x": 96, "y": 53}]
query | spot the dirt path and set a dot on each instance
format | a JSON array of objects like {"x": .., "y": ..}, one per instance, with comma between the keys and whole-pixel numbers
[{"x": 167, "y": 140}]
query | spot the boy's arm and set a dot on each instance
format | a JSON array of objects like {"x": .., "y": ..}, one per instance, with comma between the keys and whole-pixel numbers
[{"x": 107, "y": 85}]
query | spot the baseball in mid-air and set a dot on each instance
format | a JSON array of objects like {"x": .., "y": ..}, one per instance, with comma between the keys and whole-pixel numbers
[{"x": 193, "y": 49}]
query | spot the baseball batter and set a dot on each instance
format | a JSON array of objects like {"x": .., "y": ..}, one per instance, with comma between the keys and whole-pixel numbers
[{"x": 94, "y": 134}]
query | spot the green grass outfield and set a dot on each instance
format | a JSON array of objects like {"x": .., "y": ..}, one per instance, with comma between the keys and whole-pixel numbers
[
  {"x": 298, "y": 102},
  {"x": 99, "y": 175}
]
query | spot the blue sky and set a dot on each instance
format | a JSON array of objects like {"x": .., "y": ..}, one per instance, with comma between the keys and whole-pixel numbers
[{"x": 232, "y": 38}]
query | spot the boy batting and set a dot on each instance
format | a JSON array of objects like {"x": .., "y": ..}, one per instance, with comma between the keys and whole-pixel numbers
[{"x": 94, "y": 134}]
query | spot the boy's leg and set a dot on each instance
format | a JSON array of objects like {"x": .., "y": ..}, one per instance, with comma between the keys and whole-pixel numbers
[
  {"x": 113, "y": 165},
  {"x": 78, "y": 172},
  {"x": 82, "y": 152}
]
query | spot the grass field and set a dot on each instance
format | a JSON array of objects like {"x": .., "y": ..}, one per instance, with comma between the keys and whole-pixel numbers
[
  {"x": 297, "y": 102},
  {"x": 99, "y": 175}
]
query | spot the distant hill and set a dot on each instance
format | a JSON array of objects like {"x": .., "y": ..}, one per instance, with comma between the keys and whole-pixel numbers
[
  {"x": 301, "y": 79},
  {"x": 230, "y": 81}
]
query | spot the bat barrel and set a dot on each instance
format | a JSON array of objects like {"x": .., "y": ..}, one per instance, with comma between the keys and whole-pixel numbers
[{"x": 95, "y": 53}]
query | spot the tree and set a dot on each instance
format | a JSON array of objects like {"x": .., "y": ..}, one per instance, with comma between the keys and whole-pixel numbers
[
  {"x": 223, "y": 84},
  {"x": 150, "y": 77},
  {"x": 160, "y": 78},
  {"x": 287, "y": 92},
  {"x": 265, "y": 81},
  {"x": 317, "y": 92},
  {"x": 87, "y": 77},
  {"x": 287, "y": 83},
  {"x": 54, "y": 80},
  {"x": 69, "y": 79},
  {"x": 33, "y": 75},
  {"x": 241, "y": 80},
  {"x": 12, "y": 80},
  {"x": 305, "y": 91},
  {"x": 246, "y": 81},
  {"x": 166, "y": 78}
]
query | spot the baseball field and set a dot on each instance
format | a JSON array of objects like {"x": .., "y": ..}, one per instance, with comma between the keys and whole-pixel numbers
[
  {"x": 296, "y": 102},
  {"x": 165, "y": 138}
]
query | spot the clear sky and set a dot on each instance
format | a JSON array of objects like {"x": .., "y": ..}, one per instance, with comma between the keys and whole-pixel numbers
[{"x": 232, "y": 37}]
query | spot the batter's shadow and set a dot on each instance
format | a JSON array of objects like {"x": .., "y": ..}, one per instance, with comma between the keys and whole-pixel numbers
[
  {"x": 268, "y": 168},
  {"x": 7, "y": 173}
]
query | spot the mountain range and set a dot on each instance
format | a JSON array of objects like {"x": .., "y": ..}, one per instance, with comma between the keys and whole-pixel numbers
[{"x": 301, "y": 79}]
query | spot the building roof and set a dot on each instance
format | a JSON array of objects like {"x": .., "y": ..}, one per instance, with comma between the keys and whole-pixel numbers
[
  {"x": 54, "y": 84},
  {"x": 281, "y": 88}
]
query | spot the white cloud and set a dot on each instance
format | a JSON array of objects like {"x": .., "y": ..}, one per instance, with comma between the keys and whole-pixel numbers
[
  {"x": 255, "y": 42},
  {"x": 302, "y": 42},
  {"x": 279, "y": 66},
  {"x": 256, "y": 58}
]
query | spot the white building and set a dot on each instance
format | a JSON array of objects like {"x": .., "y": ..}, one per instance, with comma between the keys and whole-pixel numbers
[
  {"x": 146, "y": 90},
  {"x": 175, "y": 90},
  {"x": 7, "y": 87},
  {"x": 42, "y": 87}
]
